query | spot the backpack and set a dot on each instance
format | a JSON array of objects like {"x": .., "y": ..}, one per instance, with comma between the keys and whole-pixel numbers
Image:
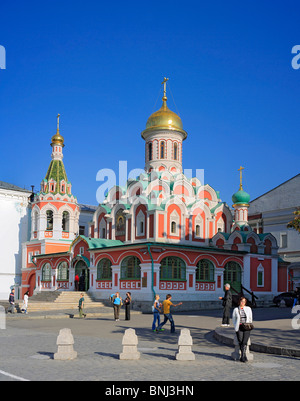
[{"x": 112, "y": 298}]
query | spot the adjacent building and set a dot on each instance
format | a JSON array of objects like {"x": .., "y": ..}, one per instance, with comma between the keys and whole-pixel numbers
[{"x": 271, "y": 213}]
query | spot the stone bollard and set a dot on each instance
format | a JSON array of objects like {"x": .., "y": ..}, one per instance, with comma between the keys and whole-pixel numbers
[
  {"x": 130, "y": 342},
  {"x": 237, "y": 352},
  {"x": 185, "y": 343},
  {"x": 2, "y": 318},
  {"x": 65, "y": 342}
]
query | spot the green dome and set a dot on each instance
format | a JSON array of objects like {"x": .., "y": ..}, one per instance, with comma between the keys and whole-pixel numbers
[{"x": 240, "y": 197}]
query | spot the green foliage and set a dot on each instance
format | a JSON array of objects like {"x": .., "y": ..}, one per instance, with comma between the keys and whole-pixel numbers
[{"x": 296, "y": 222}]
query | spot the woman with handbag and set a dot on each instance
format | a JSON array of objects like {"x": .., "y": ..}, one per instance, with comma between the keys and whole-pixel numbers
[{"x": 242, "y": 319}]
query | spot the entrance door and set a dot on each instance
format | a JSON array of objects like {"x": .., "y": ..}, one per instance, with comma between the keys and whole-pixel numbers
[
  {"x": 83, "y": 273},
  {"x": 233, "y": 276}
]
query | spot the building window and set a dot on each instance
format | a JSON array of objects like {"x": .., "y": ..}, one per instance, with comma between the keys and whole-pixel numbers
[
  {"x": 150, "y": 150},
  {"x": 81, "y": 250},
  {"x": 140, "y": 224},
  {"x": 205, "y": 270},
  {"x": 63, "y": 272},
  {"x": 30, "y": 254},
  {"x": 46, "y": 272},
  {"x": 104, "y": 270},
  {"x": 197, "y": 230},
  {"x": 260, "y": 276},
  {"x": 172, "y": 268},
  {"x": 173, "y": 227},
  {"x": 130, "y": 268},
  {"x": 35, "y": 221},
  {"x": 175, "y": 151},
  {"x": 162, "y": 150},
  {"x": 66, "y": 221},
  {"x": 49, "y": 214},
  {"x": 283, "y": 240},
  {"x": 81, "y": 230}
]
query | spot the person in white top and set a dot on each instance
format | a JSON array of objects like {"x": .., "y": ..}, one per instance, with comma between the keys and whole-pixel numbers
[
  {"x": 242, "y": 314},
  {"x": 25, "y": 303}
]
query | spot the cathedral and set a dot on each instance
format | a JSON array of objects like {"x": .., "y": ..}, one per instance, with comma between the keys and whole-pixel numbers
[{"x": 162, "y": 232}]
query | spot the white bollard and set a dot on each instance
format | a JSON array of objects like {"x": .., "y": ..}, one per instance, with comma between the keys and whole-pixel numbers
[
  {"x": 65, "y": 342},
  {"x": 130, "y": 342},
  {"x": 2, "y": 318},
  {"x": 185, "y": 343}
]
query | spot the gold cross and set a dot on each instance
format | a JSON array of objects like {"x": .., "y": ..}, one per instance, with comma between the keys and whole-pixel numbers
[
  {"x": 58, "y": 115},
  {"x": 164, "y": 82},
  {"x": 241, "y": 177}
]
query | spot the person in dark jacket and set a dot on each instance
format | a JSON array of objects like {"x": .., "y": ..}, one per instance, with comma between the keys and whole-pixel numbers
[
  {"x": 11, "y": 301},
  {"x": 227, "y": 305},
  {"x": 127, "y": 303}
]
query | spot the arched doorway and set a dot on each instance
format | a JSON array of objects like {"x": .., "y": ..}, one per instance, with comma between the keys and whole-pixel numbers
[
  {"x": 83, "y": 272},
  {"x": 233, "y": 276}
]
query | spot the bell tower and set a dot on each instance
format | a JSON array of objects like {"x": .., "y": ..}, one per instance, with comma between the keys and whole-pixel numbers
[
  {"x": 164, "y": 135},
  {"x": 55, "y": 212}
]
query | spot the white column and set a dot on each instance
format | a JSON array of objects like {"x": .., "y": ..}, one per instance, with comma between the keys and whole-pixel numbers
[
  {"x": 274, "y": 278},
  {"x": 247, "y": 272}
]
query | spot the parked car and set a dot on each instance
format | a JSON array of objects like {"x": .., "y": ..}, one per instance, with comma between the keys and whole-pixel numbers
[{"x": 287, "y": 297}]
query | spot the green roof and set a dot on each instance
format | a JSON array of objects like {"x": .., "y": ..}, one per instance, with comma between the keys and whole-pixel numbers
[
  {"x": 94, "y": 243},
  {"x": 56, "y": 172}
]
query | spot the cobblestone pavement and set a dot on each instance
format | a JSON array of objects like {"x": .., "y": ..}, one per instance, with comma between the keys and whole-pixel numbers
[{"x": 28, "y": 346}]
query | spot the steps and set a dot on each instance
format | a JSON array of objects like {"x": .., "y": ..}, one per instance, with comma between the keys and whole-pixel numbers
[{"x": 60, "y": 300}]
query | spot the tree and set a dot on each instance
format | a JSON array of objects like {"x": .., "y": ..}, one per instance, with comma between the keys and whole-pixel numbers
[{"x": 296, "y": 222}]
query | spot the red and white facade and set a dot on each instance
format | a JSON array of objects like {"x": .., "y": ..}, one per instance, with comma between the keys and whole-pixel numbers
[{"x": 163, "y": 233}]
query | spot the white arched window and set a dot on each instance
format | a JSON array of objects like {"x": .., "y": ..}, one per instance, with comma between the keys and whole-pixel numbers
[
  {"x": 260, "y": 276},
  {"x": 140, "y": 224},
  {"x": 174, "y": 223}
]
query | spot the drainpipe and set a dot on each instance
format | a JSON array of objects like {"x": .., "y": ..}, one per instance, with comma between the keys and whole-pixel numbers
[{"x": 152, "y": 270}]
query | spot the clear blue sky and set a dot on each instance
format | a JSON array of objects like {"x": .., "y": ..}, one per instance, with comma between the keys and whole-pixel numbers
[{"x": 100, "y": 65}]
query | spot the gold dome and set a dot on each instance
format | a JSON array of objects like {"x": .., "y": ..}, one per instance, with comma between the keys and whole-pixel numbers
[
  {"x": 164, "y": 119},
  {"x": 57, "y": 139}
]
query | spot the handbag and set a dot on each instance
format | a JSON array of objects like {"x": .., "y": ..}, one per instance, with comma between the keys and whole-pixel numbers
[{"x": 246, "y": 327}]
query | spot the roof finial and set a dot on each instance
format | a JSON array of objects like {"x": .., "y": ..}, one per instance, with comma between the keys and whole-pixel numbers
[
  {"x": 241, "y": 177},
  {"x": 164, "y": 82},
  {"x": 58, "y": 115}
]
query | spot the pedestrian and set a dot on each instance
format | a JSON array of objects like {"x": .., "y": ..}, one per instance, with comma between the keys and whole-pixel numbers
[
  {"x": 82, "y": 281},
  {"x": 242, "y": 320},
  {"x": 127, "y": 303},
  {"x": 11, "y": 301},
  {"x": 167, "y": 314},
  {"x": 227, "y": 305},
  {"x": 81, "y": 306},
  {"x": 296, "y": 297},
  {"x": 117, "y": 303},
  {"x": 156, "y": 309},
  {"x": 76, "y": 282},
  {"x": 25, "y": 303}
]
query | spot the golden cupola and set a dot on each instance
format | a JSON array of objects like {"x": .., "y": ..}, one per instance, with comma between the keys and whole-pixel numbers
[
  {"x": 57, "y": 139},
  {"x": 164, "y": 119}
]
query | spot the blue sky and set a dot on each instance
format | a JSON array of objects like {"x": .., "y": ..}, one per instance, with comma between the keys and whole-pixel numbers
[{"x": 101, "y": 64}]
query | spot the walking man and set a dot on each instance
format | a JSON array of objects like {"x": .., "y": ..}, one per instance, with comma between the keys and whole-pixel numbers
[
  {"x": 11, "y": 301},
  {"x": 167, "y": 314},
  {"x": 81, "y": 307}
]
